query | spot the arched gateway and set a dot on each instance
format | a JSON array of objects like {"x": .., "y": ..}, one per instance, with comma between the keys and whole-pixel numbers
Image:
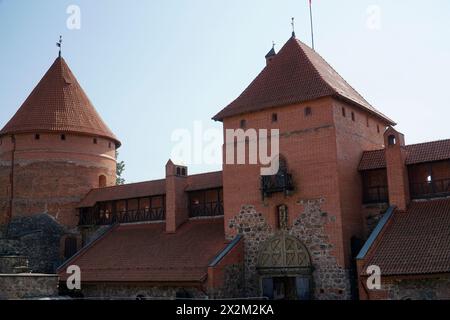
[{"x": 285, "y": 270}]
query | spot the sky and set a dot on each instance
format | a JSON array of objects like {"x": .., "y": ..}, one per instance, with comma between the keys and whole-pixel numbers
[{"x": 153, "y": 68}]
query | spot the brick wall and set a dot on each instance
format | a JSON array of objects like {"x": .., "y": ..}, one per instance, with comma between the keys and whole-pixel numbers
[{"x": 53, "y": 175}]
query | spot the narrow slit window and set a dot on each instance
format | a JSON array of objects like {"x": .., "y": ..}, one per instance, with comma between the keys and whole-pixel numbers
[
  {"x": 274, "y": 117},
  {"x": 308, "y": 111}
]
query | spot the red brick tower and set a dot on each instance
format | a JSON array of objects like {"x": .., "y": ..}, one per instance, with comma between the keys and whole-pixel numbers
[
  {"x": 54, "y": 150},
  {"x": 324, "y": 126}
]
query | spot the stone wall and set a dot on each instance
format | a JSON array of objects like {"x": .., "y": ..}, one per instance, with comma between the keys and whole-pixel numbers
[
  {"x": 141, "y": 291},
  {"x": 13, "y": 264},
  {"x": 38, "y": 238},
  {"x": 28, "y": 286},
  {"x": 421, "y": 289},
  {"x": 331, "y": 281}
]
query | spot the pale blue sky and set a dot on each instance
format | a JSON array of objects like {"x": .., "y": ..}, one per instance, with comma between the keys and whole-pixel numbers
[{"x": 151, "y": 67}]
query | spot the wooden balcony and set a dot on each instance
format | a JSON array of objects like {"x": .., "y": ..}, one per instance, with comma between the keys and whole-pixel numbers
[
  {"x": 95, "y": 216},
  {"x": 281, "y": 182},
  {"x": 432, "y": 189},
  {"x": 207, "y": 209}
]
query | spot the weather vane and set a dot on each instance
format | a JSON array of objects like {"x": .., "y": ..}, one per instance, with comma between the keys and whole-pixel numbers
[
  {"x": 59, "y": 44},
  {"x": 293, "y": 27},
  {"x": 273, "y": 44}
]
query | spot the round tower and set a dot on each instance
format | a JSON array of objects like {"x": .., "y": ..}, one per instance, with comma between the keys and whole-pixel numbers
[{"x": 54, "y": 150}]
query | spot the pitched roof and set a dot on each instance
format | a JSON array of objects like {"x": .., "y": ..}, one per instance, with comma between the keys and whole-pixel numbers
[
  {"x": 416, "y": 241},
  {"x": 296, "y": 74},
  {"x": 415, "y": 153},
  {"x": 201, "y": 181},
  {"x": 58, "y": 103},
  {"x": 124, "y": 191},
  {"x": 145, "y": 252}
]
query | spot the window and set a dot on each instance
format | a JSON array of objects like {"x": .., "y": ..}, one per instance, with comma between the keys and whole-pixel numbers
[
  {"x": 274, "y": 117},
  {"x": 109, "y": 144},
  {"x": 178, "y": 171},
  {"x": 183, "y": 171},
  {"x": 308, "y": 111},
  {"x": 95, "y": 140},
  {"x": 378, "y": 128},
  {"x": 367, "y": 121},
  {"x": 391, "y": 140},
  {"x": 102, "y": 181},
  {"x": 353, "y": 116},
  {"x": 37, "y": 136},
  {"x": 63, "y": 137},
  {"x": 343, "y": 112},
  {"x": 243, "y": 124}
]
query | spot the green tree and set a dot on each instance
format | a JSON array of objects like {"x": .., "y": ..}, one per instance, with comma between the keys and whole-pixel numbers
[{"x": 120, "y": 168}]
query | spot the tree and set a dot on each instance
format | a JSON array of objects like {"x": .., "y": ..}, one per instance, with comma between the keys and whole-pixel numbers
[{"x": 120, "y": 168}]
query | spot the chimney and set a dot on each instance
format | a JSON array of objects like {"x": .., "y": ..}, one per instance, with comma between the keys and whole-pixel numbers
[
  {"x": 397, "y": 172},
  {"x": 270, "y": 55},
  {"x": 176, "y": 197}
]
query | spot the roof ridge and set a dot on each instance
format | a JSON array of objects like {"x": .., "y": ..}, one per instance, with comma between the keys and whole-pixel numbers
[
  {"x": 128, "y": 184},
  {"x": 301, "y": 44},
  {"x": 427, "y": 142},
  {"x": 205, "y": 173}
]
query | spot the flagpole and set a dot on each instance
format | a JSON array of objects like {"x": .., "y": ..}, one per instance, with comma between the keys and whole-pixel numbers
[{"x": 311, "y": 18}]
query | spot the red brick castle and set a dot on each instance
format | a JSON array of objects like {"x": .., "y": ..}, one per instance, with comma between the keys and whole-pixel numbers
[{"x": 348, "y": 194}]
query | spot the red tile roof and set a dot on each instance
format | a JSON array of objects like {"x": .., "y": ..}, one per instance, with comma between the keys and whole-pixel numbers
[
  {"x": 415, "y": 242},
  {"x": 201, "y": 181},
  {"x": 415, "y": 153},
  {"x": 296, "y": 74},
  {"x": 58, "y": 103},
  {"x": 146, "y": 253}
]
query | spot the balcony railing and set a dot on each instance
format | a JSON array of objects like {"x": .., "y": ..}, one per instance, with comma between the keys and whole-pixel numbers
[
  {"x": 376, "y": 194},
  {"x": 207, "y": 209},
  {"x": 99, "y": 217},
  {"x": 432, "y": 189},
  {"x": 281, "y": 182}
]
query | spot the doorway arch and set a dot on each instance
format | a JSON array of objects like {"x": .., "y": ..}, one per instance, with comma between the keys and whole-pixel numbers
[{"x": 284, "y": 267}]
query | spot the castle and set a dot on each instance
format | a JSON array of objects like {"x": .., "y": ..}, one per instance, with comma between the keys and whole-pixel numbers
[{"x": 348, "y": 194}]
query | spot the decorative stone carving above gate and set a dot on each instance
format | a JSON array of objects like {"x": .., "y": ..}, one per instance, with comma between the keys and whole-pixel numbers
[{"x": 283, "y": 252}]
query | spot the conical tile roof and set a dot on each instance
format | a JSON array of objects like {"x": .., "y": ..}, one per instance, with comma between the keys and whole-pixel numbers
[{"x": 58, "y": 104}]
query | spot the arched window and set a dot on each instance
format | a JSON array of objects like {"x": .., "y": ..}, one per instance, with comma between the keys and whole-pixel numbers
[
  {"x": 102, "y": 181},
  {"x": 391, "y": 140}
]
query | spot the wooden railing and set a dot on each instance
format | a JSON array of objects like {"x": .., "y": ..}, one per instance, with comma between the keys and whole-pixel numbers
[
  {"x": 434, "y": 188},
  {"x": 207, "y": 209},
  {"x": 99, "y": 217}
]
